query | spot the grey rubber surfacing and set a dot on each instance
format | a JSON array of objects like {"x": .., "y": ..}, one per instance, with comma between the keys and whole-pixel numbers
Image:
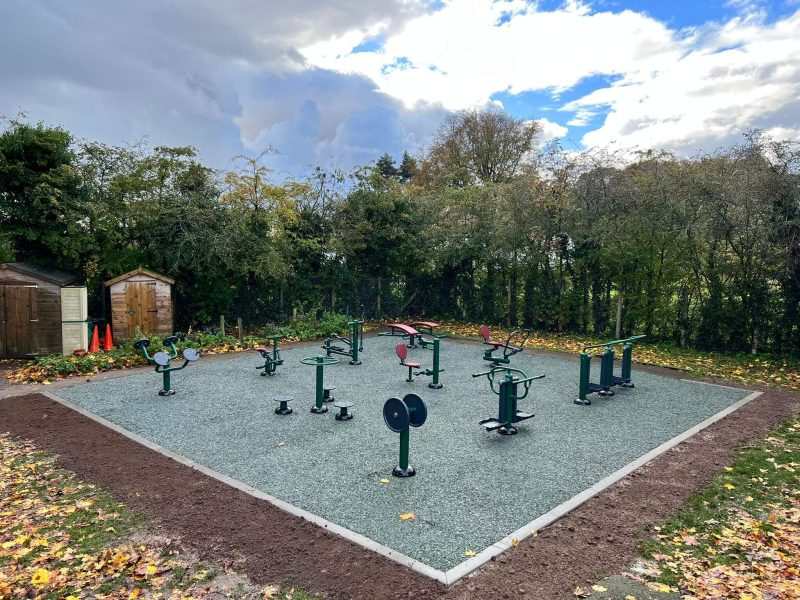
[{"x": 472, "y": 489}]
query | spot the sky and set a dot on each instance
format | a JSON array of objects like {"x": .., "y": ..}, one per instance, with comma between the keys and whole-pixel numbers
[{"x": 336, "y": 83}]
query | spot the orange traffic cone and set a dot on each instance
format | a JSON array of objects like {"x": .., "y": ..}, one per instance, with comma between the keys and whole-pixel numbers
[
  {"x": 94, "y": 345},
  {"x": 108, "y": 342}
]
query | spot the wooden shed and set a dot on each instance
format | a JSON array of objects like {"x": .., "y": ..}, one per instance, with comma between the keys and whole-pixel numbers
[
  {"x": 42, "y": 311},
  {"x": 141, "y": 303}
]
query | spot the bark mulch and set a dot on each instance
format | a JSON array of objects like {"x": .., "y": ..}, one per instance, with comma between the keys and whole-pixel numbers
[{"x": 224, "y": 524}]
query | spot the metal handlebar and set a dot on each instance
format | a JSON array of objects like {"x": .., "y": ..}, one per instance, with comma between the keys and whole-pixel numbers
[{"x": 615, "y": 342}]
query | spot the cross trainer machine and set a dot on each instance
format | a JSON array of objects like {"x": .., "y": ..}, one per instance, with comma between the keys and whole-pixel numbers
[
  {"x": 399, "y": 415},
  {"x": 607, "y": 377},
  {"x": 272, "y": 356},
  {"x": 513, "y": 345},
  {"x": 402, "y": 353},
  {"x": 508, "y": 394},
  {"x": 349, "y": 346},
  {"x": 162, "y": 360}
]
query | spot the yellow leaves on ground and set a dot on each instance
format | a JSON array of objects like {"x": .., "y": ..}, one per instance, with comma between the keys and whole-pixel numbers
[
  {"x": 408, "y": 516},
  {"x": 55, "y": 541},
  {"x": 749, "y": 547},
  {"x": 752, "y": 370},
  {"x": 470, "y": 553}
]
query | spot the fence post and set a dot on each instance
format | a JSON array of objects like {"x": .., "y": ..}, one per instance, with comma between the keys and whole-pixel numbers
[
  {"x": 222, "y": 325},
  {"x": 239, "y": 328}
]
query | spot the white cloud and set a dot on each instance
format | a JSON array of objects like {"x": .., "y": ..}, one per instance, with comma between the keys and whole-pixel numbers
[
  {"x": 745, "y": 75},
  {"x": 549, "y": 130},
  {"x": 684, "y": 90},
  {"x": 460, "y": 56}
]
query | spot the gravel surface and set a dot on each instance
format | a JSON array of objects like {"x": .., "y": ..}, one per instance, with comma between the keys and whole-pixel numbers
[{"x": 472, "y": 487}]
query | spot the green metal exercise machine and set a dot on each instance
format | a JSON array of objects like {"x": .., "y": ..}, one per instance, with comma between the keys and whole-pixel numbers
[
  {"x": 607, "y": 377},
  {"x": 272, "y": 356},
  {"x": 322, "y": 394},
  {"x": 514, "y": 344},
  {"x": 402, "y": 353},
  {"x": 399, "y": 415},
  {"x": 351, "y": 346},
  {"x": 162, "y": 360},
  {"x": 508, "y": 395}
]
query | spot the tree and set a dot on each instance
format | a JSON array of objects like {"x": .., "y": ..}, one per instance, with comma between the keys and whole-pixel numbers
[
  {"x": 386, "y": 167},
  {"x": 408, "y": 168},
  {"x": 40, "y": 195},
  {"x": 487, "y": 146}
]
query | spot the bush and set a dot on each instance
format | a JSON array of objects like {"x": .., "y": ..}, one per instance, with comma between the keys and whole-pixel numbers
[{"x": 47, "y": 368}]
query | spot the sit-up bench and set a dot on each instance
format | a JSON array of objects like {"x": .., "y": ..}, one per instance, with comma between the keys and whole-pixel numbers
[{"x": 406, "y": 331}]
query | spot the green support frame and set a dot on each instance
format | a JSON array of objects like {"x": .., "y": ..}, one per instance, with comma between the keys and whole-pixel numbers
[
  {"x": 352, "y": 346},
  {"x": 607, "y": 378}
]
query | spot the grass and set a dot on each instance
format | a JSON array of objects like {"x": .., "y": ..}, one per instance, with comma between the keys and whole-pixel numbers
[
  {"x": 740, "y": 536},
  {"x": 63, "y": 538}
]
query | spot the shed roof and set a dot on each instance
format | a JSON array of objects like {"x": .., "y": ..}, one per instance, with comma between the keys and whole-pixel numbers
[
  {"x": 62, "y": 278},
  {"x": 139, "y": 271}
]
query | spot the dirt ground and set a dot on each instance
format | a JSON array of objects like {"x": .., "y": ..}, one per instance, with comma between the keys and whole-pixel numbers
[{"x": 224, "y": 524}]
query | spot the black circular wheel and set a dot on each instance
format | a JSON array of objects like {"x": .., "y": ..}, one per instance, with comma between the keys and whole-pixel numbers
[
  {"x": 418, "y": 412},
  {"x": 395, "y": 414}
]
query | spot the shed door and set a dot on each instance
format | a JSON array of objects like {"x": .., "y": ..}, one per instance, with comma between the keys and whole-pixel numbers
[
  {"x": 140, "y": 300},
  {"x": 18, "y": 313}
]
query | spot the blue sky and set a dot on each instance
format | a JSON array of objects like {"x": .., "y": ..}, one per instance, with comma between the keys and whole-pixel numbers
[{"x": 336, "y": 83}]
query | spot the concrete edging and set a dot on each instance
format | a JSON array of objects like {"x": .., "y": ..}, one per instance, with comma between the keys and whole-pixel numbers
[{"x": 452, "y": 575}]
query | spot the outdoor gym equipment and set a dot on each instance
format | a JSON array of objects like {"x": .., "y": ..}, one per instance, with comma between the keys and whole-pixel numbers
[
  {"x": 402, "y": 353},
  {"x": 399, "y": 415},
  {"x": 344, "y": 414},
  {"x": 283, "y": 406},
  {"x": 319, "y": 362},
  {"x": 272, "y": 356},
  {"x": 607, "y": 377},
  {"x": 508, "y": 396},
  {"x": 351, "y": 346},
  {"x": 402, "y": 330},
  {"x": 510, "y": 347},
  {"x": 162, "y": 360}
]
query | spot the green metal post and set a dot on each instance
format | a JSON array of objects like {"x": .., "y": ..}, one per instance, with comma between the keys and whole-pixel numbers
[
  {"x": 319, "y": 406},
  {"x": 166, "y": 381},
  {"x": 354, "y": 342},
  {"x": 583, "y": 385},
  {"x": 607, "y": 370},
  {"x": 434, "y": 384},
  {"x": 505, "y": 396},
  {"x": 404, "y": 437},
  {"x": 627, "y": 362}
]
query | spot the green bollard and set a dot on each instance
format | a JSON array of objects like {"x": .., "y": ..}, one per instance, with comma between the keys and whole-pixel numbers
[
  {"x": 434, "y": 384},
  {"x": 627, "y": 362}
]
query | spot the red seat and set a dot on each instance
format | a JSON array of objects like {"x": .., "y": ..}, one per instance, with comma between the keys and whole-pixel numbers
[
  {"x": 428, "y": 324},
  {"x": 402, "y": 353},
  {"x": 406, "y": 329},
  {"x": 487, "y": 336}
]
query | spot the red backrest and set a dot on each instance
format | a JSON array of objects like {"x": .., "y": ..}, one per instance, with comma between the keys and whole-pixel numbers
[
  {"x": 485, "y": 333},
  {"x": 401, "y": 351}
]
